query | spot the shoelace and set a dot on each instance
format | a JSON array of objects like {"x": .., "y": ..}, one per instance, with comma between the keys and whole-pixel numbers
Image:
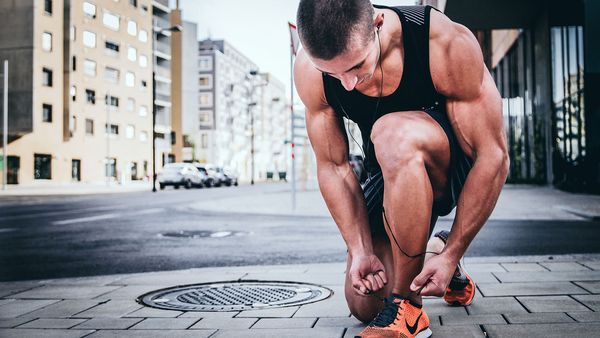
[{"x": 387, "y": 315}]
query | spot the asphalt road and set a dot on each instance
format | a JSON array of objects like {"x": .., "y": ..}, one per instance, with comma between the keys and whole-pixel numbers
[{"x": 52, "y": 237}]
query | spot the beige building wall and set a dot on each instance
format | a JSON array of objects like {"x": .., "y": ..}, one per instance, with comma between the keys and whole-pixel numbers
[
  {"x": 502, "y": 40},
  {"x": 65, "y": 138},
  {"x": 176, "y": 89}
]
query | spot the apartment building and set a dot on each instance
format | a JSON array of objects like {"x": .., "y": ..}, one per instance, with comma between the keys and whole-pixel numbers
[{"x": 80, "y": 94}]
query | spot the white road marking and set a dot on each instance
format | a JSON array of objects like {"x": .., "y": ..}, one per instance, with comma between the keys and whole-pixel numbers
[
  {"x": 146, "y": 212},
  {"x": 86, "y": 219}
]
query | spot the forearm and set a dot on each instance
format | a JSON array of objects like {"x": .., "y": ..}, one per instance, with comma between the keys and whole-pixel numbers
[
  {"x": 344, "y": 198},
  {"x": 476, "y": 202}
]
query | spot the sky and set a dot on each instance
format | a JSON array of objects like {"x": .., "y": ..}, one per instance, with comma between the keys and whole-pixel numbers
[{"x": 257, "y": 28}]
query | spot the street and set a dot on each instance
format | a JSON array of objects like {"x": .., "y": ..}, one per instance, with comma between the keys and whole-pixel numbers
[{"x": 72, "y": 236}]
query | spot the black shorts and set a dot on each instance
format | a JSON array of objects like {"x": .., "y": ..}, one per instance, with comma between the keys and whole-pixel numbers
[{"x": 460, "y": 165}]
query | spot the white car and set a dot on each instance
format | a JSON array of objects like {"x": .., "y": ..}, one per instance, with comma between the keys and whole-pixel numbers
[{"x": 180, "y": 174}]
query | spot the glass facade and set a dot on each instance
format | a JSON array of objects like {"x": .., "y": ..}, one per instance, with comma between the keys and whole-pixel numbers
[
  {"x": 514, "y": 75},
  {"x": 568, "y": 104}
]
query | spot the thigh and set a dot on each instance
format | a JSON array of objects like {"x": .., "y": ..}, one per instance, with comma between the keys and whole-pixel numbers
[{"x": 400, "y": 135}]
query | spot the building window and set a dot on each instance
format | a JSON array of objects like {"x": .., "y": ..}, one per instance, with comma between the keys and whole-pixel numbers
[
  {"x": 73, "y": 93},
  {"x": 144, "y": 84},
  {"x": 47, "y": 112},
  {"x": 89, "y": 9},
  {"x": 42, "y": 165},
  {"x": 48, "y": 6},
  {"x": 143, "y": 36},
  {"x": 130, "y": 131},
  {"x": 76, "y": 170},
  {"x": 89, "y": 126},
  {"x": 143, "y": 61},
  {"x": 72, "y": 33},
  {"x": 73, "y": 63},
  {"x": 133, "y": 3},
  {"x": 112, "y": 101},
  {"x": 205, "y": 99},
  {"x": 89, "y": 67},
  {"x": 130, "y": 104},
  {"x": 129, "y": 79},
  {"x": 111, "y": 75},
  {"x": 47, "y": 77},
  {"x": 131, "y": 53},
  {"x": 111, "y": 167},
  {"x": 111, "y": 129},
  {"x": 111, "y": 21},
  {"x": 131, "y": 28},
  {"x": 205, "y": 81},
  {"x": 143, "y": 136},
  {"x": 89, "y": 39},
  {"x": 111, "y": 47},
  {"x": 47, "y": 41},
  {"x": 143, "y": 111},
  {"x": 204, "y": 141},
  {"x": 90, "y": 96},
  {"x": 73, "y": 124},
  {"x": 205, "y": 63}
]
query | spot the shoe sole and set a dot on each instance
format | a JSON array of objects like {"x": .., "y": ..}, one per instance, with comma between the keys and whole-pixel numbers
[{"x": 424, "y": 334}]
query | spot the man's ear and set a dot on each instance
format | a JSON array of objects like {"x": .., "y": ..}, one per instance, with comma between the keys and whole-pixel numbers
[{"x": 378, "y": 20}]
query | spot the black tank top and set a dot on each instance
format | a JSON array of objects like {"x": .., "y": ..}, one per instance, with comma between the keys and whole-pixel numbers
[{"x": 415, "y": 92}]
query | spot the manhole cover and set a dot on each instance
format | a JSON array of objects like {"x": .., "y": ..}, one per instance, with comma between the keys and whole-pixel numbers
[
  {"x": 234, "y": 296},
  {"x": 201, "y": 234}
]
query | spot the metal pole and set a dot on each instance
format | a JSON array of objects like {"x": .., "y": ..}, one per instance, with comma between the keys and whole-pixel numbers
[
  {"x": 108, "y": 131},
  {"x": 292, "y": 129},
  {"x": 5, "y": 128},
  {"x": 153, "y": 133},
  {"x": 251, "y": 145}
]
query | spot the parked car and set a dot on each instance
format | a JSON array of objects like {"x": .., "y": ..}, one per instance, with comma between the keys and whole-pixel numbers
[
  {"x": 180, "y": 174},
  {"x": 209, "y": 180},
  {"x": 217, "y": 175},
  {"x": 357, "y": 164},
  {"x": 230, "y": 178}
]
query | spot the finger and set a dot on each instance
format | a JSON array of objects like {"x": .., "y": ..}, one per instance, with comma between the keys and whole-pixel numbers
[
  {"x": 368, "y": 281},
  {"x": 379, "y": 281},
  {"x": 383, "y": 277},
  {"x": 431, "y": 289},
  {"x": 360, "y": 287},
  {"x": 374, "y": 283},
  {"x": 421, "y": 279}
]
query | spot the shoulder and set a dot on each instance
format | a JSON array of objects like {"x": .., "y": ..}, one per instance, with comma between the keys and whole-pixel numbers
[
  {"x": 309, "y": 83},
  {"x": 456, "y": 60}
]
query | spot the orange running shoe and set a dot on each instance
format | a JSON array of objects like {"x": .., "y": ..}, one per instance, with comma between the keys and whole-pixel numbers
[
  {"x": 399, "y": 319},
  {"x": 461, "y": 290}
]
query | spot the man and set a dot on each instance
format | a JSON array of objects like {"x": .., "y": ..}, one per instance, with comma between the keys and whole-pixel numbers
[{"x": 431, "y": 121}]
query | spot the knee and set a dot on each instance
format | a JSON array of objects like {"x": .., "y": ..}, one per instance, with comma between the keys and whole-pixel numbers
[
  {"x": 362, "y": 308},
  {"x": 397, "y": 148}
]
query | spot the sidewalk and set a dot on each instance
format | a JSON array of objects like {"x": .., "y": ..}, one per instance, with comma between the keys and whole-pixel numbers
[
  {"x": 517, "y": 297},
  {"x": 51, "y": 188}
]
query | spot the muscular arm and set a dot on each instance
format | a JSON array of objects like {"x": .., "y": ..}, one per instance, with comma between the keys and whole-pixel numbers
[
  {"x": 475, "y": 111},
  {"x": 337, "y": 181}
]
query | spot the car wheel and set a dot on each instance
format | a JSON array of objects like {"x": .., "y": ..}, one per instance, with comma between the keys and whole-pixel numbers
[
  {"x": 236, "y": 183},
  {"x": 176, "y": 186},
  {"x": 187, "y": 184},
  {"x": 162, "y": 186}
]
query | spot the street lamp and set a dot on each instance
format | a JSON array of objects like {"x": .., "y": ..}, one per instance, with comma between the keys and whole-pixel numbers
[{"x": 176, "y": 28}]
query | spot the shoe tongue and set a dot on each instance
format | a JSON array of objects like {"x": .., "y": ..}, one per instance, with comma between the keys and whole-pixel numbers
[{"x": 396, "y": 298}]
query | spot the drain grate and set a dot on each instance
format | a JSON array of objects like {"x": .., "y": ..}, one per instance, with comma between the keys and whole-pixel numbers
[{"x": 235, "y": 296}]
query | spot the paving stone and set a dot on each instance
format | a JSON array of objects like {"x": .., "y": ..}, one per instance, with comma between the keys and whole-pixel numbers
[
  {"x": 346, "y": 322},
  {"x": 41, "y": 333},
  {"x": 166, "y": 278},
  {"x": 484, "y": 267},
  {"x": 564, "y": 266},
  {"x": 83, "y": 281},
  {"x": 284, "y": 312},
  {"x": 197, "y": 314},
  {"x": 547, "y": 276},
  {"x": 594, "y": 265},
  {"x": 317, "y": 278},
  {"x": 437, "y": 306},
  {"x": 152, "y": 312},
  {"x": 543, "y": 330},
  {"x": 585, "y": 316},
  {"x": 10, "y": 288},
  {"x": 592, "y": 287},
  {"x": 113, "y": 308},
  {"x": 130, "y": 291},
  {"x": 65, "y": 292},
  {"x": 46, "y": 323},
  {"x": 537, "y": 318},
  {"x": 22, "y": 306},
  {"x": 483, "y": 277},
  {"x": 109, "y": 323},
  {"x": 152, "y": 333},
  {"x": 449, "y": 320},
  {"x": 12, "y": 322},
  {"x": 520, "y": 267},
  {"x": 462, "y": 331},
  {"x": 551, "y": 304},
  {"x": 335, "y": 306},
  {"x": 164, "y": 324},
  {"x": 530, "y": 289},
  {"x": 322, "y": 332},
  {"x": 5, "y": 301},
  {"x": 483, "y": 305},
  {"x": 284, "y": 323},
  {"x": 592, "y": 301},
  {"x": 229, "y": 323},
  {"x": 63, "y": 309}
]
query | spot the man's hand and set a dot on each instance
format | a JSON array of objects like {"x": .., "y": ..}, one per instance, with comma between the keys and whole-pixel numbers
[
  {"x": 367, "y": 274},
  {"x": 435, "y": 276}
]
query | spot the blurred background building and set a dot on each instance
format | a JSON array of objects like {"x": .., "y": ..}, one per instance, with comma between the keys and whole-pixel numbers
[{"x": 545, "y": 59}]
